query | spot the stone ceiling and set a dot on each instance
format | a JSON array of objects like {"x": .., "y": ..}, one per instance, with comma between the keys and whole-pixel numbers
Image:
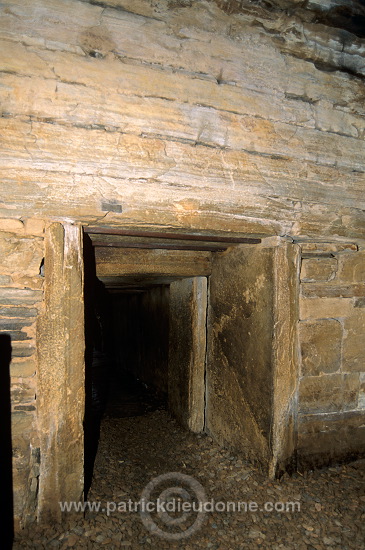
[{"x": 348, "y": 15}]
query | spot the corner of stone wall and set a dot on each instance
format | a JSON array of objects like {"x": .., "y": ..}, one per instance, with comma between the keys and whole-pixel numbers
[
  {"x": 331, "y": 414},
  {"x": 21, "y": 295}
]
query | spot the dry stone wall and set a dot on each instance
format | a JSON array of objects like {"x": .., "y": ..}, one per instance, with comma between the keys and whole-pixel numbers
[
  {"x": 21, "y": 294},
  {"x": 331, "y": 416}
]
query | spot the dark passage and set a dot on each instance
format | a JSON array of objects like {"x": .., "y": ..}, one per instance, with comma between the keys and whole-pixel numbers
[{"x": 126, "y": 358}]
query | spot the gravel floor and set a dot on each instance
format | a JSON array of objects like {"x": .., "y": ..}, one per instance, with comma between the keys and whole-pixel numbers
[{"x": 134, "y": 450}]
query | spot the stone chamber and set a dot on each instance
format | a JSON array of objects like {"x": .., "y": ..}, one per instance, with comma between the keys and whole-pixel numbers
[{"x": 192, "y": 172}]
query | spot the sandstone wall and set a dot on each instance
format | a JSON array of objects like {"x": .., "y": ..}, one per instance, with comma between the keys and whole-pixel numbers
[
  {"x": 21, "y": 294},
  {"x": 331, "y": 415},
  {"x": 181, "y": 114}
]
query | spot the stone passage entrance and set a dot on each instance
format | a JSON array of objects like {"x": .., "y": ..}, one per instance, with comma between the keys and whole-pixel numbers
[{"x": 218, "y": 316}]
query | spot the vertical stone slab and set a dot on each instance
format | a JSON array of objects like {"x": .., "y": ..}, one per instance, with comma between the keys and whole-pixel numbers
[
  {"x": 187, "y": 348},
  {"x": 61, "y": 347},
  {"x": 285, "y": 357},
  {"x": 239, "y": 359}
]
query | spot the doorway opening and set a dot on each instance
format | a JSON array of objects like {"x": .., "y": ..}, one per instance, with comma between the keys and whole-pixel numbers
[{"x": 145, "y": 336}]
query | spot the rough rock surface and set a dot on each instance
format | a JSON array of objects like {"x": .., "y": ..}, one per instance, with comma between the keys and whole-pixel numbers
[{"x": 225, "y": 115}]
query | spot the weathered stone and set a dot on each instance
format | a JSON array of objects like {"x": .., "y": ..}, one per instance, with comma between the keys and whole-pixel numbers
[
  {"x": 19, "y": 254},
  {"x": 17, "y": 335},
  {"x": 23, "y": 369},
  {"x": 14, "y": 324},
  {"x": 330, "y": 290},
  {"x": 320, "y": 343},
  {"x": 22, "y": 393},
  {"x": 328, "y": 393},
  {"x": 187, "y": 349},
  {"x": 351, "y": 268},
  {"x": 34, "y": 226},
  {"x": 5, "y": 280},
  {"x": 359, "y": 302},
  {"x": 354, "y": 342},
  {"x": 321, "y": 308},
  {"x": 155, "y": 150},
  {"x": 19, "y": 296},
  {"x": 11, "y": 225},
  {"x": 324, "y": 438},
  {"x": 120, "y": 261},
  {"x": 18, "y": 311},
  {"x": 239, "y": 372},
  {"x": 19, "y": 350},
  {"x": 318, "y": 269},
  {"x": 61, "y": 358},
  {"x": 314, "y": 249},
  {"x": 31, "y": 283}
]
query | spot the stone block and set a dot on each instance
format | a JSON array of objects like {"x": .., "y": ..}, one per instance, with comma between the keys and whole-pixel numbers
[
  {"x": 351, "y": 268},
  {"x": 18, "y": 311},
  {"x": 322, "y": 308},
  {"x": 22, "y": 393},
  {"x": 320, "y": 343},
  {"x": 22, "y": 369},
  {"x": 22, "y": 350},
  {"x": 34, "y": 226},
  {"x": 314, "y": 249},
  {"x": 328, "y": 438},
  {"x": 19, "y": 296},
  {"x": 328, "y": 393},
  {"x": 330, "y": 290},
  {"x": 318, "y": 269},
  {"x": 21, "y": 427},
  {"x": 11, "y": 225},
  {"x": 354, "y": 342},
  {"x": 5, "y": 280},
  {"x": 20, "y": 254}
]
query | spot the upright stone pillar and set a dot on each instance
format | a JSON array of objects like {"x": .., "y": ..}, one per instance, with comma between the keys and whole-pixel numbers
[{"x": 61, "y": 372}]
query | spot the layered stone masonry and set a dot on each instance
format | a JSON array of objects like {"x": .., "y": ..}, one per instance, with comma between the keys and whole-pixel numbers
[
  {"x": 21, "y": 294},
  {"x": 331, "y": 409}
]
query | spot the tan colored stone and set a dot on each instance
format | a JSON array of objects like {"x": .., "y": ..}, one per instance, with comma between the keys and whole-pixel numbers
[
  {"x": 120, "y": 261},
  {"x": 318, "y": 269},
  {"x": 61, "y": 376},
  {"x": 328, "y": 393},
  {"x": 329, "y": 290},
  {"x": 354, "y": 342},
  {"x": 322, "y": 308},
  {"x": 11, "y": 225},
  {"x": 320, "y": 343},
  {"x": 352, "y": 268},
  {"x": 326, "y": 248},
  {"x": 19, "y": 255},
  {"x": 22, "y": 369},
  {"x": 34, "y": 226}
]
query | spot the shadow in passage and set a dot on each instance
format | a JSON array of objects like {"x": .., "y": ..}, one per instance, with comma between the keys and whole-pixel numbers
[
  {"x": 6, "y": 476},
  {"x": 97, "y": 359}
]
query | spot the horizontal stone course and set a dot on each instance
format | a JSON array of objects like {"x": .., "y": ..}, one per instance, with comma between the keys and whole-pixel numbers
[
  {"x": 322, "y": 308},
  {"x": 23, "y": 369},
  {"x": 329, "y": 393},
  {"x": 17, "y": 311},
  {"x": 333, "y": 290},
  {"x": 19, "y": 296}
]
